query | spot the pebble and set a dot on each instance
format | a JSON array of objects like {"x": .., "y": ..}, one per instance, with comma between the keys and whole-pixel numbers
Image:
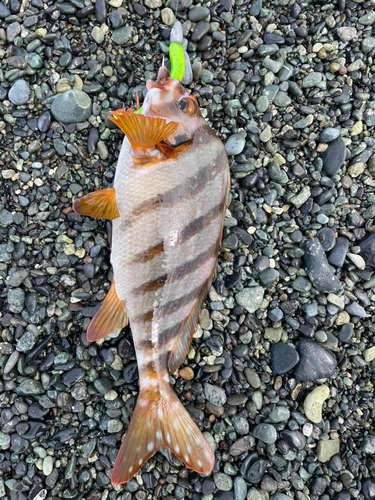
[
  {"x": 265, "y": 432},
  {"x": 313, "y": 403},
  {"x": 235, "y": 144},
  {"x": 283, "y": 357},
  {"x": 338, "y": 253},
  {"x": 315, "y": 361},
  {"x": 19, "y": 93},
  {"x": 215, "y": 395},
  {"x": 334, "y": 157},
  {"x": 73, "y": 106},
  {"x": 327, "y": 449},
  {"x": 367, "y": 245},
  {"x": 317, "y": 267}
]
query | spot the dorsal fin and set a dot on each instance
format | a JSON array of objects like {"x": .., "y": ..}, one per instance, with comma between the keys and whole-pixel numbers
[{"x": 143, "y": 132}]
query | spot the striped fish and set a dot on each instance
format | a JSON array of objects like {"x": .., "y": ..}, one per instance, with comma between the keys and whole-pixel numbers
[{"x": 168, "y": 202}]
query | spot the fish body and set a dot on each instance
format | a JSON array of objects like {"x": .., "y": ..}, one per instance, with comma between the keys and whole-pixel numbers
[{"x": 170, "y": 201}]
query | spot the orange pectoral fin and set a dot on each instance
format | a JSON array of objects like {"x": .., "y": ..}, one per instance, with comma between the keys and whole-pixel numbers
[
  {"x": 110, "y": 316},
  {"x": 99, "y": 204},
  {"x": 142, "y": 131}
]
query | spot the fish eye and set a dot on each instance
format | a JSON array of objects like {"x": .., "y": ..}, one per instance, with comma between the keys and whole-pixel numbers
[{"x": 188, "y": 105}]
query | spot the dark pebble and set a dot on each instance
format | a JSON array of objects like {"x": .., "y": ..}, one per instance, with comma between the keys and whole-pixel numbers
[
  {"x": 346, "y": 333},
  {"x": 338, "y": 253},
  {"x": 334, "y": 157},
  {"x": 295, "y": 439},
  {"x": 367, "y": 245},
  {"x": 315, "y": 361},
  {"x": 101, "y": 10},
  {"x": 327, "y": 238},
  {"x": 283, "y": 357}
]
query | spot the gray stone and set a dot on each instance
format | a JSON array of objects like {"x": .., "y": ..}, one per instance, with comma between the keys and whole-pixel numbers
[
  {"x": 318, "y": 268},
  {"x": 235, "y": 144},
  {"x": 250, "y": 298},
  {"x": 19, "y": 93},
  {"x": 122, "y": 35},
  {"x": 215, "y": 395},
  {"x": 73, "y": 106},
  {"x": 266, "y": 433}
]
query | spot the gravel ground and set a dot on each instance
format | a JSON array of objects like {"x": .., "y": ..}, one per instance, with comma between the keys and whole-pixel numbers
[{"x": 280, "y": 374}]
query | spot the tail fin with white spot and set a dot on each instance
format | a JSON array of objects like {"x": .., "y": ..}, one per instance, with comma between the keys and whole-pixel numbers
[{"x": 161, "y": 420}]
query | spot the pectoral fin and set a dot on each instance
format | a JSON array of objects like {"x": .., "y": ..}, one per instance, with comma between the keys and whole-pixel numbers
[
  {"x": 99, "y": 204},
  {"x": 110, "y": 316},
  {"x": 142, "y": 131}
]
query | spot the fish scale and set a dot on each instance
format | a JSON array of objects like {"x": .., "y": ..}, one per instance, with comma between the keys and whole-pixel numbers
[{"x": 168, "y": 202}]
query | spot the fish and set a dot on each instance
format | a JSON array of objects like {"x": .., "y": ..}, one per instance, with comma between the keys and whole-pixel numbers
[{"x": 167, "y": 206}]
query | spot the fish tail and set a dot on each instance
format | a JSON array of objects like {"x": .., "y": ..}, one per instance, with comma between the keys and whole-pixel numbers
[{"x": 160, "y": 420}]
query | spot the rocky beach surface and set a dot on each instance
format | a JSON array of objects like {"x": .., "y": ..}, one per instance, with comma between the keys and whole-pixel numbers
[{"x": 280, "y": 374}]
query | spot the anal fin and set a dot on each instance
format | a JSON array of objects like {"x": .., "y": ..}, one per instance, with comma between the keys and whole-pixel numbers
[
  {"x": 110, "y": 316},
  {"x": 143, "y": 132},
  {"x": 99, "y": 204}
]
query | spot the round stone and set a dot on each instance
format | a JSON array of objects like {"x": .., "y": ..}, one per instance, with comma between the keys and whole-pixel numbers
[
  {"x": 73, "y": 106},
  {"x": 19, "y": 93},
  {"x": 235, "y": 144},
  {"x": 265, "y": 432}
]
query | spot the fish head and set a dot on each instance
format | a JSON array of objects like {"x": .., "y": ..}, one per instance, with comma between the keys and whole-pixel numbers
[{"x": 167, "y": 98}]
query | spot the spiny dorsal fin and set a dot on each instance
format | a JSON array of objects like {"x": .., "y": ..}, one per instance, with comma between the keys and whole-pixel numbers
[
  {"x": 110, "y": 316},
  {"x": 99, "y": 204},
  {"x": 142, "y": 131}
]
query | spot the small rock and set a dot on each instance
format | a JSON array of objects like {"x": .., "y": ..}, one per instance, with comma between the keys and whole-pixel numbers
[
  {"x": 19, "y": 93},
  {"x": 250, "y": 298},
  {"x": 315, "y": 361},
  {"x": 313, "y": 403},
  {"x": 326, "y": 449},
  {"x": 235, "y": 144},
  {"x": 73, "y": 106}
]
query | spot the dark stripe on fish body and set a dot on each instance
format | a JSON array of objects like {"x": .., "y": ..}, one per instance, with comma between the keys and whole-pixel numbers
[
  {"x": 172, "y": 331},
  {"x": 191, "y": 230},
  {"x": 192, "y": 186},
  {"x": 169, "y": 307},
  {"x": 179, "y": 272},
  {"x": 150, "y": 286},
  {"x": 148, "y": 254}
]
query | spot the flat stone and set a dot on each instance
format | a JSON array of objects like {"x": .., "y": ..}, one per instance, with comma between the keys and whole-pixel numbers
[
  {"x": 266, "y": 433},
  {"x": 326, "y": 449},
  {"x": 73, "y": 106},
  {"x": 367, "y": 245},
  {"x": 97, "y": 34},
  {"x": 122, "y": 35},
  {"x": 19, "y": 93},
  {"x": 301, "y": 197},
  {"x": 215, "y": 395},
  {"x": 315, "y": 361},
  {"x": 369, "y": 354},
  {"x": 338, "y": 253},
  {"x": 250, "y": 298},
  {"x": 283, "y": 357},
  {"x": 329, "y": 134},
  {"x": 313, "y": 403},
  {"x": 312, "y": 80}
]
